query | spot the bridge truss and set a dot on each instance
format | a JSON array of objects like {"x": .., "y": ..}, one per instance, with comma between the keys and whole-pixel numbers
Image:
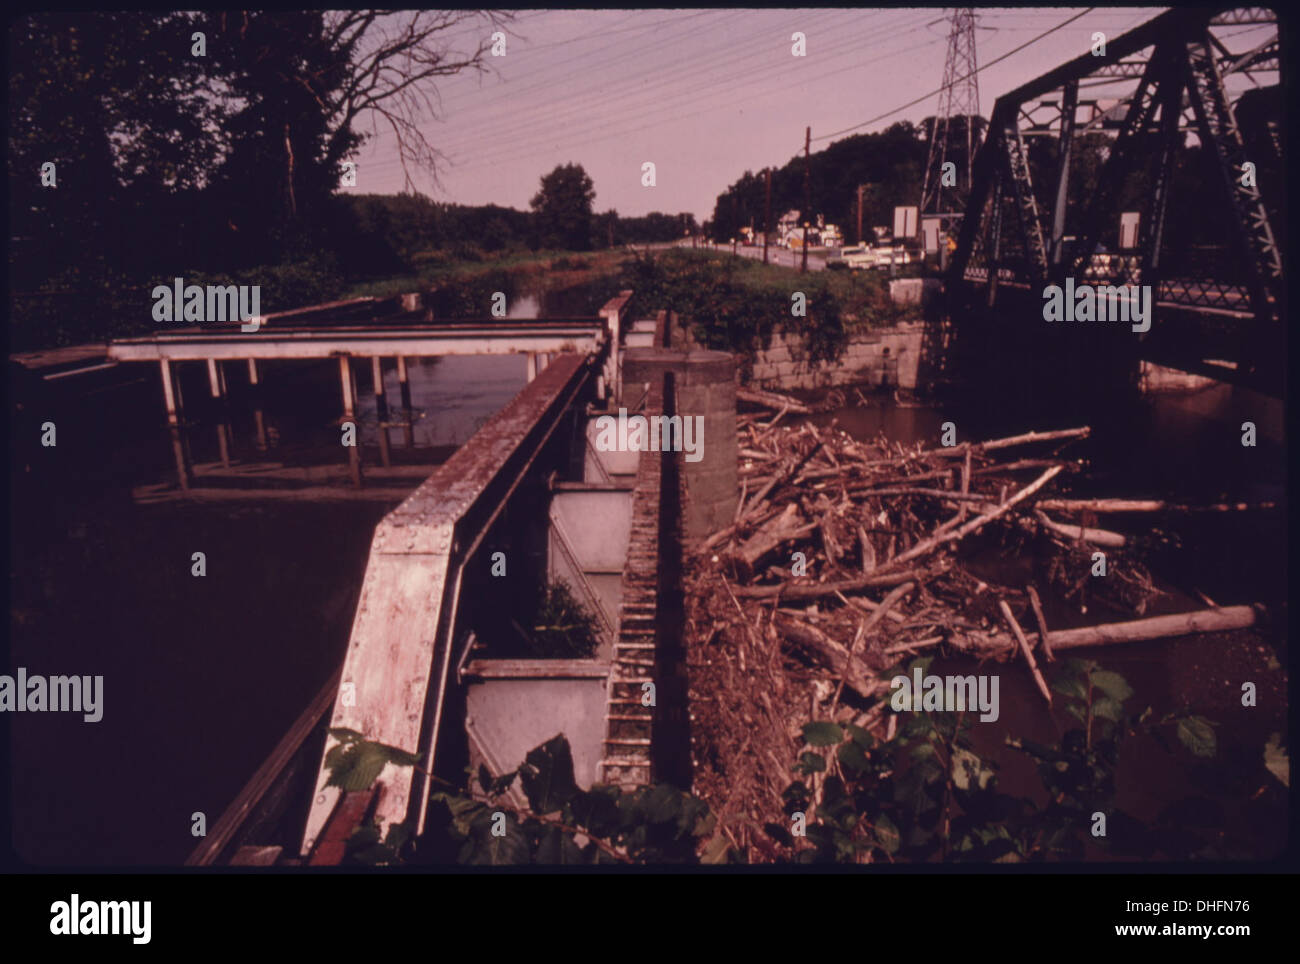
[{"x": 1188, "y": 78}]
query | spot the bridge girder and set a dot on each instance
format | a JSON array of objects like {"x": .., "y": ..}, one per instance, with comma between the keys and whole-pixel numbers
[{"x": 1177, "y": 67}]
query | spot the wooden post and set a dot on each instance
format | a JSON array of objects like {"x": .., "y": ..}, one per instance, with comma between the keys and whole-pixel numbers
[
  {"x": 258, "y": 419},
  {"x": 530, "y": 366},
  {"x": 217, "y": 383},
  {"x": 174, "y": 424},
  {"x": 349, "y": 415},
  {"x": 404, "y": 387},
  {"x": 345, "y": 379},
  {"x": 377, "y": 376},
  {"x": 402, "y": 383},
  {"x": 169, "y": 392}
]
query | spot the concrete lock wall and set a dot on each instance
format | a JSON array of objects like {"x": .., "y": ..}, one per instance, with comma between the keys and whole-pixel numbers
[
  {"x": 890, "y": 354},
  {"x": 705, "y": 386},
  {"x": 594, "y": 526},
  {"x": 505, "y": 718}
]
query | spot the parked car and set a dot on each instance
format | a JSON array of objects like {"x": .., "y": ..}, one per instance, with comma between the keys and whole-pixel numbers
[{"x": 858, "y": 256}]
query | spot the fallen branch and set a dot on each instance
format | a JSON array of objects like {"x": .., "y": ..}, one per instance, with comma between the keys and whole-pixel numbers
[
  {"x": 1219, "y": 620},
  {"x": 1009, "y": 616},
  {"x": 1037, "y": 605},
  {"x": 773, "y": 400},
  {"x": 817, "y": 590},
  {"x": 929, "y": 545},
  {"x": 872, "y": 621},
  {"x": 1145, "y": 505},
  {"x": 857, "y": 675}
]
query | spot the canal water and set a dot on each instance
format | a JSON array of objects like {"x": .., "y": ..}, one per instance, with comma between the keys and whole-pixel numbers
[{"x": 201, "y": 675}]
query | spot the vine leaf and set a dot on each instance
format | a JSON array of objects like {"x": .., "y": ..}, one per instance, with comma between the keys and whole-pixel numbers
[
  {"x": 1275, "y": 758},
  {"x": 1197, "y": 734}
]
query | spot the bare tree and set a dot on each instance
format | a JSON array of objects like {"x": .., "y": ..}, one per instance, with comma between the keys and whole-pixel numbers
[{"x": 391, "y": 58}]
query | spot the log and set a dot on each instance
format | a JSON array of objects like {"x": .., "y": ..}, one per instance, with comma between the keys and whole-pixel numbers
[
  {"x": 779, "y": 479},
  {"x": 1002, "y": 443},
  {"x": 773, "y": 400},
  {"x": 786, "y": 526},
  {"x": 1145, "y": 505},
  {"x": 1098, "y": 537},
  {"x": 1218, "y": 620},
  {"x": 858, "y": 676},
  {"x": 817, "y": 590}
]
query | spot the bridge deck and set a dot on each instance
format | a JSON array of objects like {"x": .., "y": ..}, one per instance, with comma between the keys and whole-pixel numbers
[{"x": 414, "y": 341}]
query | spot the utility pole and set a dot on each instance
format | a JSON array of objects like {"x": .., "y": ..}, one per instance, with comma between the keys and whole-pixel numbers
[
  {"x": 807, "y": 189},
  {"x": 767, "y": 210},
  {"x": 860, "y": 187}
]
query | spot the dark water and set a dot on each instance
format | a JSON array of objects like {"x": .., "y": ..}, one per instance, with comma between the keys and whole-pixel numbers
[
  {"x": 1183, "y": 448},
  {"x": 202, "y": 676}
]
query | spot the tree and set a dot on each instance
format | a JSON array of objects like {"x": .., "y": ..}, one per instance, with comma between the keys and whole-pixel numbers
[{"x": 563, "y": 208}]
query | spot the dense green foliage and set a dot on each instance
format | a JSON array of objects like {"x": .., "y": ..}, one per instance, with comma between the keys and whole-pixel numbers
[
  {"x": 562, "y": 208},
  {"x": 924, "y": 795},
  {"x": 738, "y": 304}
]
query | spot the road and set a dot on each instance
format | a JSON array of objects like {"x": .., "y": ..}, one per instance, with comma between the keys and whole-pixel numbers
[{"x": 775, "y": 255}]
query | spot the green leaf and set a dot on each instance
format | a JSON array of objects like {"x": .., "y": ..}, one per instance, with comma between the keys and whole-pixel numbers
[
  {"x": 1197, "y": 734},
  {"x": 1108, "y": 709},
  {"x": 1070, "y": 686},
  {"x": 822, "y": 734},
  {"x": 852, "y": 758},
  {"x": 967, "y": 765},
  {"x": 1275, "y": 758},
  {"x": 887, "y": 834},
  {"x": 547, "y": 776},
  {"x": 861, "y": 737},
  {"x": 344, "y": 735},
  {"x": 358, "y": 765},
  {"x": 812, "y": 762},
  {"x": 717, "y": 851},
  {"x": 485, "y": 848},
  {"x": 558, "y": 847},
  {"x": 1112, "y": 684}
]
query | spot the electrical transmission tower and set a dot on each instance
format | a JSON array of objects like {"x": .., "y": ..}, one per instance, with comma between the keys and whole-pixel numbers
[{"x": 960, "y": 97}]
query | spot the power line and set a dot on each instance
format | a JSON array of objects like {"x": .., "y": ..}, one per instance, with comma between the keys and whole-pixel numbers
[
  {"x": 925, "y": 97},
  {"x": 850, "y": 47},
  {"x": 599, "y": 122},
  {"x": 632, "y": 83}
]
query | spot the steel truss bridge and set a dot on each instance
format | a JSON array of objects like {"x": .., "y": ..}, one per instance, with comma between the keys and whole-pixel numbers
[{"x": 1188, "y": 78}]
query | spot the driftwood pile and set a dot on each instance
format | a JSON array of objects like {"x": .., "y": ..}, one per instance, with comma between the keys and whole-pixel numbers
[{"x": 846, "y": 559}]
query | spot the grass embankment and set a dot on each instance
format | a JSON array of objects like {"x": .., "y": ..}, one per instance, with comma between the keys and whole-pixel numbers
[
  {"x": 554, "y": 268},
  {"x": 738, "y": 304}
]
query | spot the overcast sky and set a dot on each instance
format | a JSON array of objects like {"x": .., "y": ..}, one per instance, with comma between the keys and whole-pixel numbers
[{"x": 704, "y": 94}]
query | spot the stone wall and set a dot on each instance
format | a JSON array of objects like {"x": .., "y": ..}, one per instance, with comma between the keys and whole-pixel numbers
[{"x": 891, "y": 353}]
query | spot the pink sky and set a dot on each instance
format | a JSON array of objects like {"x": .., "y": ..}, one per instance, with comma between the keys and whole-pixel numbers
[{"x": 704, "y": 94}]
